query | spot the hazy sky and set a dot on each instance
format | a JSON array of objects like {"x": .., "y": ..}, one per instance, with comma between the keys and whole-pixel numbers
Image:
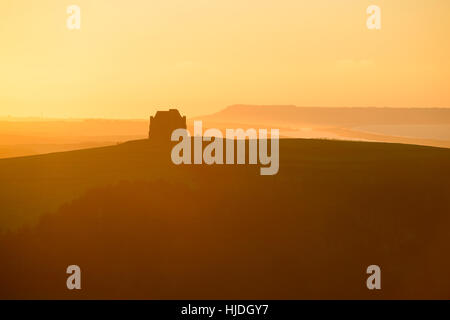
[{"x": 131, "y": 57}]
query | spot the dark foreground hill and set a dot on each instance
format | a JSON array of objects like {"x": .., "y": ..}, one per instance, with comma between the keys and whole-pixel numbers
[{"x": 141, "y": 227}]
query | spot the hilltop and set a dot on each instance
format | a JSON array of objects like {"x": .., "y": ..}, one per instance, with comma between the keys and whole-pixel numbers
[
  {"x": 142, "y": 227},
  {"x": 423, "y": 126},
  {"x": 331, "y": 116}
]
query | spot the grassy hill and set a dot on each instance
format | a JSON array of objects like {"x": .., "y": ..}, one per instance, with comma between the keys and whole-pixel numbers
[{"x": 141, "y": 227}]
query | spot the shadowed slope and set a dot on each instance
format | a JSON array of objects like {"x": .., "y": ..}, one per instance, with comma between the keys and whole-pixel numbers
[{"x": 227, "y": 232}]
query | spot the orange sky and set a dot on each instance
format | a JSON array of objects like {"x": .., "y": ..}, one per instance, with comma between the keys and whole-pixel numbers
[{"x": 201, "y": 55}]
